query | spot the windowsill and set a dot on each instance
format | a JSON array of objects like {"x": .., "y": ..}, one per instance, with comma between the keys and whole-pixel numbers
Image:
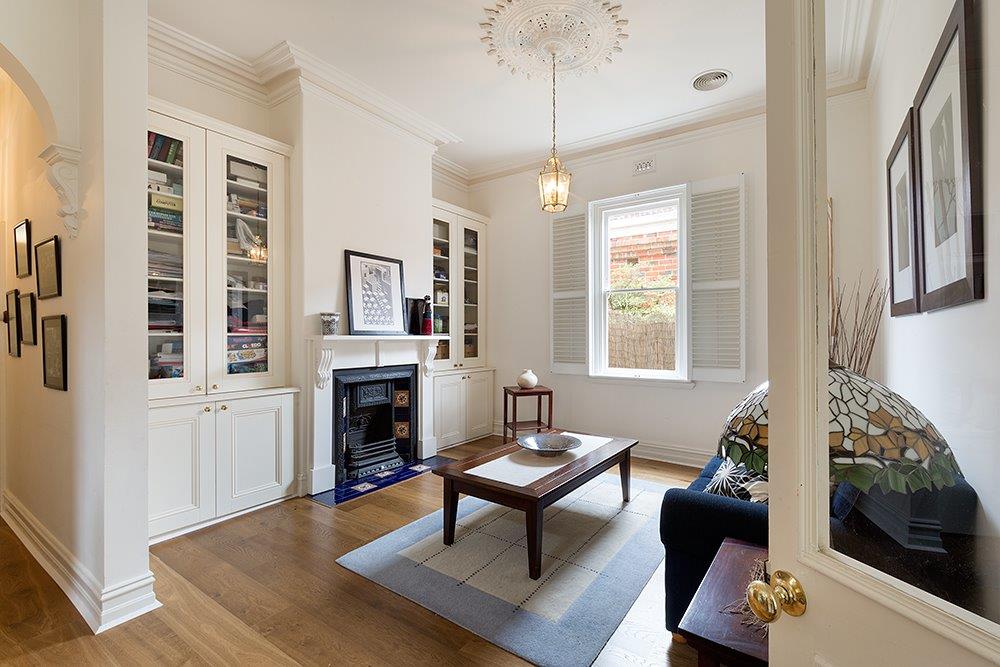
[{"x": 671, "y": 383}]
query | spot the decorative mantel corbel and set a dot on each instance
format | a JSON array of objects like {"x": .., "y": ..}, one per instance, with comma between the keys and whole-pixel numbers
[
  {"x": 63, "y": 175},
  {"x": 324, "y": 367}
]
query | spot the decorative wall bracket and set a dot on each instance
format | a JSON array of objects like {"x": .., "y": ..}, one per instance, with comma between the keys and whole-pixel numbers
[
  {"x": 324, "y": 367},
  {"x": 63, "y": 175},
  {"x": 430, "y": 351}
]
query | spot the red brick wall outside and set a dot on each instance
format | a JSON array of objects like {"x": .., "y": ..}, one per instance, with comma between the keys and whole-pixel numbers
[{"x": 655, "y": 255}]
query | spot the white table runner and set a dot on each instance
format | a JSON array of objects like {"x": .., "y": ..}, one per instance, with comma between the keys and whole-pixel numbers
[{"x": 523, "y": 467}]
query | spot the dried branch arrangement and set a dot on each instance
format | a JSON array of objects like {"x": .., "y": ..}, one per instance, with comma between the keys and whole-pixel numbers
[{"x": 854, "y": 325}]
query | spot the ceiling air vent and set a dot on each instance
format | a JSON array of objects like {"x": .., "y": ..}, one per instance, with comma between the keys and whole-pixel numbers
[{"x": 711, "y": 80}]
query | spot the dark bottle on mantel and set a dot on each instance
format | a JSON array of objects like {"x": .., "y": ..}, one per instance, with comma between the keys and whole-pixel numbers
[{"x": 427, "y": 325}]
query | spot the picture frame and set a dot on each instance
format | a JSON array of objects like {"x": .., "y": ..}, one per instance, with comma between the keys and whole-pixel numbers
[
  {"x": 947, "y": 131},
  {"x": 375, "y": 301},
  {"x": 903, "y": 219},
  {"x": 22, "y": 249},
  {"x": 48, "y": 268},
  {"x": 13, "y": 323},
  {"x": 28, "y": 314},
  {"x": 54, "y": 352}
]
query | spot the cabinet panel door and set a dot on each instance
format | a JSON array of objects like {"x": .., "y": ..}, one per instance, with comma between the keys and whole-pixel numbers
[
  {"x": 175, "y": 270},
  {"x": 479, "y": 405},
  {"x": 255, "y": 455},
  {"x": 245, "y": 274},
  {"x": 445, "y": 296},
  {"x": 449, "y": 409},
  {"x": 181, "y": 467},
  {"x": 470, "y": 279}
]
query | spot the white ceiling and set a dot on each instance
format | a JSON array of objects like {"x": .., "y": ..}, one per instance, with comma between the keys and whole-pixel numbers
[{"x": 426, "y": 55}]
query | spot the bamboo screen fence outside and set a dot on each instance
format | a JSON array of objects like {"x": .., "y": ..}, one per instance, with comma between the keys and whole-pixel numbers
[{"x": 634, "y": 342}]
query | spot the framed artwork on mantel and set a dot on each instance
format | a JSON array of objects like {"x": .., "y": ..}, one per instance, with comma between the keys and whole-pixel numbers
[
  {"x": 902, "y": 209},
  {"x": 947, "y": 130},
  {"x": 375, "y": 301}
]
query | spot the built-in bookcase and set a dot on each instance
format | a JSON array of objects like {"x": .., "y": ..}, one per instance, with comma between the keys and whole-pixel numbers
[
  {"x": 215, "y": 225},
  {"x": 459, "y": 251}
]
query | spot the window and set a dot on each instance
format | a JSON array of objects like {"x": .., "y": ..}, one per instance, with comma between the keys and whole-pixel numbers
[
  {"x": 652, "y": 285},
  {"x": 638, "y": 294}
]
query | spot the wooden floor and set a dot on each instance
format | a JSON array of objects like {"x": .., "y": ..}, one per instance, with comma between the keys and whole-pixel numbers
[{"x": 264, "y": 589}]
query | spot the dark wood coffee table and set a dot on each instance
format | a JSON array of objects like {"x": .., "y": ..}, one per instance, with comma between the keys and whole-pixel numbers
[
  {"x": 722, "y": 637},
  {"x": 535, "y": 497}
]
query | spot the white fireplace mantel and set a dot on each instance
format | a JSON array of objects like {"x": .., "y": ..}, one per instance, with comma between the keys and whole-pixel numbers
[{"x": 330, "y": 353}]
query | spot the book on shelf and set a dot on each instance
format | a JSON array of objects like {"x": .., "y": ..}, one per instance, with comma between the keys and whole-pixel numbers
[
  {"x": 251, "y": 172},
  {"x": 161, "y": 188},
  {"x": 248, "y": 181},
  {"x": 159, "y": 215},
  {"x": 156, "y": 176},
  {"x": 157, "y": 146},
  {"x": 150, "y": 140},
  {"x": 246, "y": 342},
  {"x": 235, "y": 356},
  {"x": 160, "y": 201},
  {"x": 172, "y": 152}
]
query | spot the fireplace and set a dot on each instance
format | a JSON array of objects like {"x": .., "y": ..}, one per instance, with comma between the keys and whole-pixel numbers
[{"x": 374, "y": 420}]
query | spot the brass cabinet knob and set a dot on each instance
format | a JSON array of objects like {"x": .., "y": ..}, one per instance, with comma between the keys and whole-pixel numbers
[
  {"x": 215, "y": 386},
  {"x": 784, "y": 593},
  {"x": 223, "y": 407},
  {"x": 198, "y": 387},
  {"x": 208, "y": 408}
]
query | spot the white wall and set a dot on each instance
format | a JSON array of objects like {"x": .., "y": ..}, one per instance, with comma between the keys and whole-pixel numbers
[
  {"x": 74, "y": 463},
  {"x": 945, "y": 362},
  {"x": 187, "y": 92},
  {"x": 678, "y": 424}
]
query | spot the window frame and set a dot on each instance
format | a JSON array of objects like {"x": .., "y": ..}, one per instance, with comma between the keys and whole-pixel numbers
[{"x": 599, "y": 289}]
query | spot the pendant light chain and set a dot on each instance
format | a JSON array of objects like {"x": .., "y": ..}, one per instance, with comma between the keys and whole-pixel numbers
[{"x": 553, "y": 103}]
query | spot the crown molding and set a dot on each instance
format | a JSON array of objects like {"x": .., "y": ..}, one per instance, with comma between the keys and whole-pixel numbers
[
  {"x": 449, "y": 172},
  {"x": 276, "y": 75},
  {"x": 856, "y": 46},
  {"x": 886, "y": 13}
]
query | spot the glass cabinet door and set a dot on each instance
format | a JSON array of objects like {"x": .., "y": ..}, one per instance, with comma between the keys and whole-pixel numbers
[
  {"x": 472, "y": 314},
  {"x": 245, "y": 205},
  {"x": 441, "y": 297},
  {"x": 175, "y": 225}
]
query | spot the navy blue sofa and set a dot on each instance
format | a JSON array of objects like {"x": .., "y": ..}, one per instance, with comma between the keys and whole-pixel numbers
[{"x": 693, "y": 525}]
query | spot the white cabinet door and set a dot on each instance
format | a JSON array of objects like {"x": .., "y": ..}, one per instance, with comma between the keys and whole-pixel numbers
[
  {"x": 478, "y": 404},
  {"x": 449, "y": 409},
  {"x": 181, "y": 466},
  {"x": 254, "y": 451},
  {"x": 245, "y": 246},
  {"x": 471, "y": 278}
]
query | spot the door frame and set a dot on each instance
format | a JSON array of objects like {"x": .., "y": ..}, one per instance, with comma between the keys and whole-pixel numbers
[{"x": 797, "y": 324}]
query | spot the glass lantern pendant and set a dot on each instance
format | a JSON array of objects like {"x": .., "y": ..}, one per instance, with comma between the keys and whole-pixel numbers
[{"x": 553, "y": 181}]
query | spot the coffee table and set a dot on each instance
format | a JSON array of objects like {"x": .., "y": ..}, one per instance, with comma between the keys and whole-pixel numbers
[{"x": 568, "y": 472}]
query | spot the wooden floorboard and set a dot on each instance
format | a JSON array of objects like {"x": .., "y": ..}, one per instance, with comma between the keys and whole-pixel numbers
[{"x": 264, "y": 588}]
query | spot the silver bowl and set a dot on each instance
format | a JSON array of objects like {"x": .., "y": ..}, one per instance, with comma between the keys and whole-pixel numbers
[{"x": 548, "y": 444}]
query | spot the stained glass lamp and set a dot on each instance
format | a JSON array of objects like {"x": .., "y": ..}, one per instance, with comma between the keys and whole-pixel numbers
[{"x": 876, "y": 437}]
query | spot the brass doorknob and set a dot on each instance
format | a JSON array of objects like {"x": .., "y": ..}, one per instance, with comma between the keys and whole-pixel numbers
[
  {"x": 223, "y": 407},
  {"x": 783, "y": 593},
  {"x": 208, "y": 408}
]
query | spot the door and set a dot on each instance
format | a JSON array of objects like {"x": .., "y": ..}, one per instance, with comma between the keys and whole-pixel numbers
[
  {"x": 449, "y": 409},
  {"x": 478, "y": 404},
  {"x": 246, "y": 324},
  {"x": 442, "y": 305},
  {"x": 471, "y": 274},
  {"x": 175, "y": 262},
  {"x": 181, "y": 466},
  {"x": 254, "y": 451},
  {"x": 903, "y": 568}
]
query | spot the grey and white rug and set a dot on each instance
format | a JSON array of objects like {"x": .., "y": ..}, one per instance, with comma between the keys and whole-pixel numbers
[{"x": 598, "y": 553}]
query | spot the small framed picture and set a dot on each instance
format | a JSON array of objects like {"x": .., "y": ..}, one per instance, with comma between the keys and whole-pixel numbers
[
  {"x": 902, "y": 209},
  {"x": 48, "y": 268},
  {"x": 29, "y": 327},
  {"x": 22, "y": 249},
  {"x": 54, "y": 352},
  {"x": 375, "y": 301},
  {"x": 13, "y": 305},
  {"x": 947, "y": 129}
]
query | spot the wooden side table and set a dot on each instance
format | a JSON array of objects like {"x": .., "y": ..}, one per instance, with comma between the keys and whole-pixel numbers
[
  {"x": 721, "y": 637},
  {"x": 536, "y": 425}
]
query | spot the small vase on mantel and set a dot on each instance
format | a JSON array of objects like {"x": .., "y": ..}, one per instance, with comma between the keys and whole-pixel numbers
[{"x": 527, "y": 379}]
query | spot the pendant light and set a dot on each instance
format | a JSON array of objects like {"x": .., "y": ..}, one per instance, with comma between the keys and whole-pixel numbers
[{"x": 553, "y": 181}]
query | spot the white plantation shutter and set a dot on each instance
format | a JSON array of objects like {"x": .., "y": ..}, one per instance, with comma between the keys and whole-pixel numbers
[
  {"x": 569, "y": 295},
  {"x": 717, "y": 272}
]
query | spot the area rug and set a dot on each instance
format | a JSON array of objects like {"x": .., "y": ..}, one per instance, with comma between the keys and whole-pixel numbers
[{"x": 598, "y": 554}]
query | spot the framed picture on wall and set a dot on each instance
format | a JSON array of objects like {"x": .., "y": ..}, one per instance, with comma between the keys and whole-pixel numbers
[
  {"x": 13, "y": 306},
  {"x": 902, "y": 210},
  {"x": 48, "y": 268},
  {"x": 54, "y": 352},
  {"x": 375, "y": 301},
  {"x": 947, "y": 130},
  {"x": 22, "y": 249},
  {"x": 29, "y": 329}
]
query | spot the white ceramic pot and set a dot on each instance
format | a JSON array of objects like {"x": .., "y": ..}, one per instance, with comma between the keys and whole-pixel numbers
[{"x": 527, "y": 379}]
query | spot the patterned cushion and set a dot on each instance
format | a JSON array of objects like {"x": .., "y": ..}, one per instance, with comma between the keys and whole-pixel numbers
[{"x": 736, "y": 481}]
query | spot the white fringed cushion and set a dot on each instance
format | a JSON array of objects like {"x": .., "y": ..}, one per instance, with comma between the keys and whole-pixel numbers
[{"x": 736, "y": 481}]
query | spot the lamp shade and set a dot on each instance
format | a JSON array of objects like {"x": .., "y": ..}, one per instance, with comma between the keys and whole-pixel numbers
[
  {"x": 553, "y": 185},
  {"x": 875, "y": 437}
]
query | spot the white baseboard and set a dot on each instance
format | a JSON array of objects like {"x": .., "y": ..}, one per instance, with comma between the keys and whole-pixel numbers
[
  {"x": 101, "y": 607},
  {"x": 322, "y": 479},
  {"x": 656, "y": 451}
]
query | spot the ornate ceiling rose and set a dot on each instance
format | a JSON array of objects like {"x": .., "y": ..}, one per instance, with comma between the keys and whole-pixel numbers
[{"x": 523, "y": 34}]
